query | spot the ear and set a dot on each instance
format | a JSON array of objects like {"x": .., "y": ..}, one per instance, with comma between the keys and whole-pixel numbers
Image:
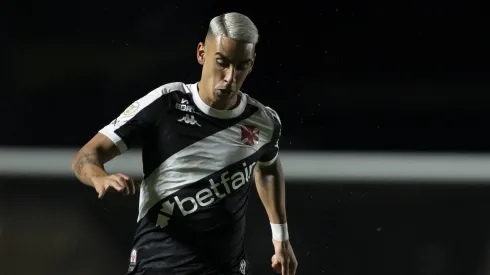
[
  {"x": 253, "y": 63},
  {"x": 201, "y": 53}
]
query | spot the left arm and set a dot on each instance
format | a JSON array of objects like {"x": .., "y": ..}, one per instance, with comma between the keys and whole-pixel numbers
[
  {"x": 270, "y": 183},
  {"x": 271, "y": 188},
  {"x": 269, "y": 179}
]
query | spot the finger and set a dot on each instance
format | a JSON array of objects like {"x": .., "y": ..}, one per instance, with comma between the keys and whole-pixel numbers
[
  {"x": 132, "y": 186},
  {"x": 116, "y": 183},
  {"x": 285, "y": 267},
  {"x": 292, "y": 269},
  {"x": 100, "y": 189},
  {"x": 127, "y": 182},
  {"x": 127, "y": 187},
  {"x": 124, "y": 176},
  {"x": 276, "y": 266},
  {"x": 101, "y": 192}
]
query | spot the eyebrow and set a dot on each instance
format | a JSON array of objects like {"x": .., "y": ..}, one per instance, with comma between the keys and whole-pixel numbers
[{"x": 229, "y": 60}]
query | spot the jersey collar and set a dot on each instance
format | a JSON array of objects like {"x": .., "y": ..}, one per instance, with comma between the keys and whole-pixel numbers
[{"x": 208, "y": 110}]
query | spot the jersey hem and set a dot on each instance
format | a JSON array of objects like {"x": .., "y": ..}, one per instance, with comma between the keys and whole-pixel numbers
[{"x": 268, "y": 163}]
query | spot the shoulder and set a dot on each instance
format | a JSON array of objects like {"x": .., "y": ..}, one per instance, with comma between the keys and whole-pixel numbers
[
  {"x": 175, "y": 87},
  {"x": 170, "y": 88},
  {"x": 157, "y": 99},
  {"x": 266, "y": 112},
  {"x": 165, "y": 91}
]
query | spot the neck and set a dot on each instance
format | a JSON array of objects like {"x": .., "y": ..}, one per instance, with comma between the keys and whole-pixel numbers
[{"x": 207, "y": 97}]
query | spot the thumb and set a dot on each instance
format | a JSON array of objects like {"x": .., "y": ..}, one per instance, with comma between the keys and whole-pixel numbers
[{"x": 100, "y": 192}]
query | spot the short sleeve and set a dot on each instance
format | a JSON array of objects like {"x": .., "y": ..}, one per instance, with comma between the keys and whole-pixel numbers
[
  {"x": 272, "y": 148},
  {"x": 138, "y": 119}
]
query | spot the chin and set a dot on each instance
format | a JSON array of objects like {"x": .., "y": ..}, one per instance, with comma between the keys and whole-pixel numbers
[{"x": 223, "y": 99}]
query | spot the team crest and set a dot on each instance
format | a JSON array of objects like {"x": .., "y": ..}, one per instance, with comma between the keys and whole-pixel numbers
[
  {"x": 132, "y": 260},
  {"x": 250, "y": 135}
]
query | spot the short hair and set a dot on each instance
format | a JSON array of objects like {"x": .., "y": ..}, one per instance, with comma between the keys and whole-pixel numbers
[{"x": 235, "y": 26}]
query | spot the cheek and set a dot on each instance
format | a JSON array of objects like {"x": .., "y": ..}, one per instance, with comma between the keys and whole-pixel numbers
[
  {"x": 218, "y": 73},
  {"x": 211, "y": 71},
  {"x": 241, "y": 76}
]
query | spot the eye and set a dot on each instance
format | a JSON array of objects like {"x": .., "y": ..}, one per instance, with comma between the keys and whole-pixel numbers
[{"x": 221, "y": 63}]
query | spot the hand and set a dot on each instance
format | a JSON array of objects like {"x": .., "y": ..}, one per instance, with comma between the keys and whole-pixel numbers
[
  {"x": 118, "y": 182},
  {"x": 284, "y": 261}
]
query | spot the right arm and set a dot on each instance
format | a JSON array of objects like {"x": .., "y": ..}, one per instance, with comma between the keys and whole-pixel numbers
[
  {"x": 89, "y": 162},
  {"x": 88, "y": 166},
  {"x": 114, "y": 139}
]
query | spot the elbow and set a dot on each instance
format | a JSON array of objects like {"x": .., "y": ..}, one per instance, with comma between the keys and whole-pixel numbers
[
  {"x": 86, "y": 156},
  {"x": 74, "y": 163},
  {"x": 78, "y": 161}
]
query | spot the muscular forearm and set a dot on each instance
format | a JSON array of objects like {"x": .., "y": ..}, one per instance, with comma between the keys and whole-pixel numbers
[
  {"x": 90, "y": 160},
  {"x": 88, "y": 164},
  {"x": 271, "y": 189}
]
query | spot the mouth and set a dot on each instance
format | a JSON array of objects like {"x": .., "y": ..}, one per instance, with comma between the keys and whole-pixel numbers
[{"x": 225, "y": 91}]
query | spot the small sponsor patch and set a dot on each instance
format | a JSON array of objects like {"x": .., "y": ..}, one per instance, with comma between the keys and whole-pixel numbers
[{"x": 131, "y": 109}]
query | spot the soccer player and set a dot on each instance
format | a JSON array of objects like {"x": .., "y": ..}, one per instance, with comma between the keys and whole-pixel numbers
[{"x": 201, "y": 144}]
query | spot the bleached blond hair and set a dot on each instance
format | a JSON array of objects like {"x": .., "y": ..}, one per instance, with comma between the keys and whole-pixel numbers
[{"x": 235, "y": 26}]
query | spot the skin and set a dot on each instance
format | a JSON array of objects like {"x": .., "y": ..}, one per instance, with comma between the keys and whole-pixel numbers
[
  {"x": 226, "y": 64},
  {"x": 270, "y": 185},
  {"x": 88, "y": 167}
]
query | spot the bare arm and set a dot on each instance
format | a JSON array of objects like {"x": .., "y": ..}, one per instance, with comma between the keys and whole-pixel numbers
[
  {"x": 127, "y": 130},
  {"x": 272, "y": 191},
  {"x": 89, "y": 162},
  {"x": 269, "y": 181}
]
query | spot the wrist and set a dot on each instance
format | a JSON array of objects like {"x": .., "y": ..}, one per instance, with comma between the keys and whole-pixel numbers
[
  {"x": 93, "y": 180},
  {"x": 280, "y": 231}
]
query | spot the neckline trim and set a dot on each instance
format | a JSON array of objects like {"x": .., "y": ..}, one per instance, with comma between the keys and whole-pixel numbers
[{"x": 210, "y": 111}]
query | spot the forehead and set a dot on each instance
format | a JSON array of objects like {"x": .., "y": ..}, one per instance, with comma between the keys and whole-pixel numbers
[{"x": 233, "y": 49}]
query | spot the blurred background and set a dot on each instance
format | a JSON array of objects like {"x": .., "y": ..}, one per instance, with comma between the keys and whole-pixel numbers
[{"x": 384, "y": 107}]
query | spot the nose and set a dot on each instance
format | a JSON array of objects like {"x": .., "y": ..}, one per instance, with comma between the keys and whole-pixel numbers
[{"x": 230, "y": 74}]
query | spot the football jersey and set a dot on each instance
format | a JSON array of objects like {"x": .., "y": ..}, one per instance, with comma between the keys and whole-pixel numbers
[{"x": 198, "y": 164}]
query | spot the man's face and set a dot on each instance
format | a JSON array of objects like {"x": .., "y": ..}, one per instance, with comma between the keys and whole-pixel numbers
[{"x": 226, "y": 64}]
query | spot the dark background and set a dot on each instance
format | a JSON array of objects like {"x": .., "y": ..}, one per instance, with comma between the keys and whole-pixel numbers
[{"x": 343, "y": 75}]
